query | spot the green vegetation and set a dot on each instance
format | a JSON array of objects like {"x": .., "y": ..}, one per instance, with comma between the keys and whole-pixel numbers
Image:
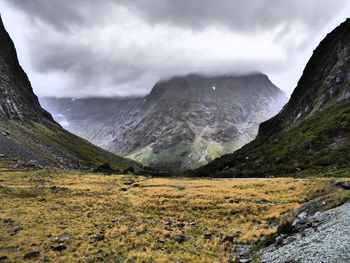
[
  {"x": 79, "y": 217},
  {"x": 317, "y": 145},
  {"x": 51, "y": 142}
]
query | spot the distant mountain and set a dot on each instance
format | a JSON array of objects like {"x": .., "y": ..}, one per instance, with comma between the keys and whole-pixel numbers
[
  {"x": 311, "y": 134},
  {"x": 183, "y": 123},
  {"x": 28, "y": 134}
]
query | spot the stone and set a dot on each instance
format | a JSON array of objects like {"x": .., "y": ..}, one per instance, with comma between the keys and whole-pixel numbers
[
  {"x": 33, "y": 164},
  {"x": 57, "y": 189},
  {"x": 2, "y": 155},
  {"x": 3, "y": 133},
  {"x": 15, "y": 230},
  {"x": 180, "y": 239},
  {"x": 59, "y": 248},
  {"x": 60, "y": 239},
  {"x": 208, "y": 235},
  {"x": 180, "y": 225},
  {"x": 343, "y": 184},
  {"x": 301, "y": 218},
  {"x": 228, "y": 239},
  {"x": 241, "y": 250},
  {"x": 31, "y": 255},
  {"x": 99, "y": 237}
]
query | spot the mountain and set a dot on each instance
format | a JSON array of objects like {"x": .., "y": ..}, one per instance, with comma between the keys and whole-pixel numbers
[
  {"x": 28, "y": 134},
  {"x": 184, "y": 122},
  {"x": 311, "y": 134}
]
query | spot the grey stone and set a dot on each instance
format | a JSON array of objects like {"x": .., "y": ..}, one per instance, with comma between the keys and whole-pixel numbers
[{"x": 31, "y": 255}]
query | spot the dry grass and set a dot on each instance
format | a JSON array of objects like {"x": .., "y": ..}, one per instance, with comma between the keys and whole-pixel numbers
[{"x": 142, "y": 219}]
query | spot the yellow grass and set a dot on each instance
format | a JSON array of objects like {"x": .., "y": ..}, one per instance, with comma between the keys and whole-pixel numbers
[{"x": 141, "y": 218}]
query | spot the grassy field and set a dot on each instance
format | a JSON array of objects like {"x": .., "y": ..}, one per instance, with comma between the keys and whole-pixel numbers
[{"x": 79, "y": 217}]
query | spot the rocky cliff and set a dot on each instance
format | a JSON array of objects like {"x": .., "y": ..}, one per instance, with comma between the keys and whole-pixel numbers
[
  {"x": 311, "y": 134},
  {"x": 325, "y": 81},
  {"x": 18, "y": 101},
  {"x": 184, "y": 122}
]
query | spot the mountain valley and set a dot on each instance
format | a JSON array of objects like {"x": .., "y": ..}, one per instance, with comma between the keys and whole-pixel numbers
[
  {"x": 196, "y": 171},
  {"x": 183, "y": 123}
]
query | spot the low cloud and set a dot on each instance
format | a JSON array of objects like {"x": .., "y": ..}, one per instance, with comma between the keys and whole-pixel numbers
[{"x": 122, "y": 47}]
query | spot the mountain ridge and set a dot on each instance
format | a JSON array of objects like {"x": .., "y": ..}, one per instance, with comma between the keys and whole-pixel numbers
[
  {"x": 321, "y": 83},
  {"x": 311, "y": 134},
  {"x": 184, "y": 121}
]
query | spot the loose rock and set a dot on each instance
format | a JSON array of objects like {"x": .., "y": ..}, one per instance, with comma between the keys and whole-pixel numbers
[
  {"x": 31, "y": 255},
  {"x": 343, "y": 184},
  {"x": 3, "y": 133},
  {"x": 228, "y": 239},
  {"x": 180, "y": 239},
  {"x": 99, "y": 237},
  {"x": 208, "y": 235},
  {"x": 59, "y": 248}
]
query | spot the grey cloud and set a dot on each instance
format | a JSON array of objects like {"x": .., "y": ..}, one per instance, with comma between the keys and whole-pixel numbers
[
  {"x": 102, "y": 60},
  {"x": 66, "y": 14},
  {"x": 236, "y": 14}
]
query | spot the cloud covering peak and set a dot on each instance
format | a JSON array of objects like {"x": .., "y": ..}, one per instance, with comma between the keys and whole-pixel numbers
[{"x": 122, "y": 47}]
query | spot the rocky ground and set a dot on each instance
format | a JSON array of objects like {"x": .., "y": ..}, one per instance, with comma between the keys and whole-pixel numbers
[
  {"x": 326, "y": 240},
  {"x": 314, "y": 237}
]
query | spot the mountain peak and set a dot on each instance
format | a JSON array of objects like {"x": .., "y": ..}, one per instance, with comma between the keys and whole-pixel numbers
[
  {"x": 184, "y": 122},
  {"x": 197, "y": 87}
]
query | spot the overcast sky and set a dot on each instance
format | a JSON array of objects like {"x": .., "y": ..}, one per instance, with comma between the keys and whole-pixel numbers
[{"x": 81, "y": 48}]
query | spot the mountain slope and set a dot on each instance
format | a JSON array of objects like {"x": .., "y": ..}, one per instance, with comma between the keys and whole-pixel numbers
[
  {"x": 325, "y": 81},
  {"x": 311, "y": 134},
  {"x": 28, "y": 134},
  {"x": 184, "y": 122}
]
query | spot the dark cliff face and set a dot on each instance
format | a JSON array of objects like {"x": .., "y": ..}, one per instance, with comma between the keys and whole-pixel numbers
[
  {"x": 184, "y": 122},
  {"x": 17, "y": 100},
  {"x": 28, "y": 134},
  {"x": 325, "y": 81}
]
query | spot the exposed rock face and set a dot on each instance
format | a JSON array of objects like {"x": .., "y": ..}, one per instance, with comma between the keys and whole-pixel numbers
[
  {"x": 184, "y": 122},
  {"x": 311, "y": 133},
  {"x": 17, "y": 100},
  {"x": 325, "y": 81},
  {"x": 322, "y": 237},
  {"x": 29, "y": 137}
]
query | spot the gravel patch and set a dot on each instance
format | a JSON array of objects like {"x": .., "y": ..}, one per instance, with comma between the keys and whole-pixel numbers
[{"x": 328, "y": 243}]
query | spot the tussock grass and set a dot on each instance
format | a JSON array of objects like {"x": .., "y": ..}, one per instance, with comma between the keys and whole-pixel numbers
[{"x": 141, "y": 219}]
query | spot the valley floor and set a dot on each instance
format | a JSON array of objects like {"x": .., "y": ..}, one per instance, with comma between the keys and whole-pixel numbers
[{"x": 58, "y": 216}]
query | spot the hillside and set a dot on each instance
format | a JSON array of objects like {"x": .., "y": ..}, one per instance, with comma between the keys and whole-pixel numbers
[
  {"x": 311, "y": 134},
  {"x": 184, "y": 122},
  {"x": 28, "y": 134}
]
